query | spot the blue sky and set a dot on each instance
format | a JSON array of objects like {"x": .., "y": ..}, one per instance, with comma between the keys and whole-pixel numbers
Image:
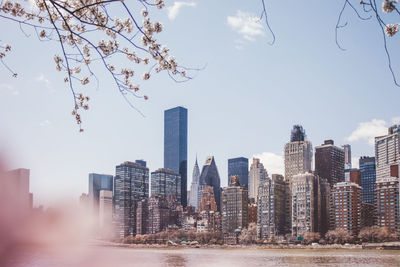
[{"x": 243, "y": 103}]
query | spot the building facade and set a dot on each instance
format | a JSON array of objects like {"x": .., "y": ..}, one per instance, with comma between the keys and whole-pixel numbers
[
  {"x": 347, "y": 157},
  {"x": 195, "y": 197},
  {"x": 387, "y": 203},
  {"x": 210, "y": 177},
  {"x": 368, "y": 179},
  {"x": 239, "y": 167},
  {"x": 329, "y": 162},
  {"x": 166, "y": 182},
  {"x": 257, "y": 174},
  {"x": 98, "y": 182},
  {"x": 347, "y": 207},
  {"x": 234, "y": 208},
  {"x": 387, "y": 152},
  {"x": 175, "y": 145},
  {"x": 304, "y": 204},
  {"x": 131, "y": 184},
  {"x": 271, "y": 207}
]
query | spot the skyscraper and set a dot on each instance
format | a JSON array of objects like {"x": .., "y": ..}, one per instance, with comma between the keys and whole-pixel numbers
[
  {"x": 131, "y": 184},
  {"x": 98, "y": 182},
  {"x": 166, "y": 182},
  {"x": 298, "y": 154},
  {"x": 234, "y": 208},
  {"x": 257, "y": 175},
  {"x": 271, "y": 205},
  {"x": 210, "y": 176},
  {"x": 14, "y": 190},
  {"x": 368, "y": 179},
  {"x": 347, "y": 156},
  {"x": 105, "y": 212},
  {"x": 346, "y": 198},
  {"x": 388, "y": 203},
  {"x": 329, "y": 162},
  {"x": 239, "y": 167},
  {"x": 194, "y": 188},
  {"x": 175, "y": 145},
  {"x": 387, "y": 152}
]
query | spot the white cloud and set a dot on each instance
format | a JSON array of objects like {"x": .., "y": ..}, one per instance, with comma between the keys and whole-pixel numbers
[
  {"x": 10, "y": 88},
  {"x": 42, "y": 79},
  {"x": 173, "y": 10},
  {"x": 367, "y": 131},
  {"x": 45, "y": 123},
  {"x": 272, "y": 162},
  {"x": 246, "y": 24}
]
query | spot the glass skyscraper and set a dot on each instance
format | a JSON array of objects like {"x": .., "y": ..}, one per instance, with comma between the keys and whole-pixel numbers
[
  {"x": 239, "y": 167},
  {"x": 368, "y": 179},
  {"x": 98, "y": 182},
  {"x": 175, "y": 145}
]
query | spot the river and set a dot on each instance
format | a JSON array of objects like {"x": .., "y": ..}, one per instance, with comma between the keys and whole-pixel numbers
[{"x": 98, "y": 256}]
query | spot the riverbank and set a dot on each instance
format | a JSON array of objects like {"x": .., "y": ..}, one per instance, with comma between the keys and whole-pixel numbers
[{"x": 376, "y": 246}]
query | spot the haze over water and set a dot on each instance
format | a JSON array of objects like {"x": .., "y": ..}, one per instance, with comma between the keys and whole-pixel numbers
[{"x": 112, "y": 256}]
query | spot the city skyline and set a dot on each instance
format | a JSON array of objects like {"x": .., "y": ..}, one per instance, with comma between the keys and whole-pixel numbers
[{"x": 250, "y": 94}]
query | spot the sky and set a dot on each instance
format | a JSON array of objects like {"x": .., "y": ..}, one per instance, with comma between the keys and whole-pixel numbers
[{"x": 243, "y": 103}]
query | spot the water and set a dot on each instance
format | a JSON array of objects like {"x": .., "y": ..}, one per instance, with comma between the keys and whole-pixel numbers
[{"x": 180, "y": 257}]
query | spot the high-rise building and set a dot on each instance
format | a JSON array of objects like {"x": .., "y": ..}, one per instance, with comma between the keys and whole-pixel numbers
[
  {"x": 142, "y": 216},
  {"x": 209, "y": 176},
  {"x": 305, "y": 203},
  {"x": 131, "y": 184},
  {"x": 257, "y": 174},
  {"x": 207, "y": 202},
  {"x": 158, "y": 214},
  {"x": 387, "y": 203},
  {"x": 239, "y": 167},
  {"x": 194, "y": 188},
  {"x": 271, "y": 205},
  {"x": 105, "y": 211},
  {"x": 329, "y": 162},
  {"x": 298, "y": 159},
  {"x": 298, "y": 154},
  {"x": 234, "y": 209},
  {"x": 368, "y": 179},
  {"x": 166, "y": 182},
  {"x": 346, "y": 206},
  {"x": 387, "y": 152},
  {"x": 14, "y": 189},
  {"x": 347, "y": 156},
  {"x": 352, "y": 175},
  {"x": 175, "y": 145},
  {"x": 98, "y": 182}
]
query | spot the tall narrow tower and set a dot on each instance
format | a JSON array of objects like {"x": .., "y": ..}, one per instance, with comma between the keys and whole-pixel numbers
[{"x": 175, "y": 145}]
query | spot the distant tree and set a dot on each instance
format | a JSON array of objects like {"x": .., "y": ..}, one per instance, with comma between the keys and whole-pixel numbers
[
  {"x": 339, "y": 236},
  {"x": 249, "y": 235},
  {"x": 311, "y": 237}
]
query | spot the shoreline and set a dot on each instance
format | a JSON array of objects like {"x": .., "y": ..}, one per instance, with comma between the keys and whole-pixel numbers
[{"x": 365, "y": 246}]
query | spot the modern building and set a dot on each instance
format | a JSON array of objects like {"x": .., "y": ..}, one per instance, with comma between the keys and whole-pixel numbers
[
  {"x": 271, "y": 207},
  {"x": 209, "y": 176},
  {"x": 368, "y": 179},
  {"x": 105, "y": 212},
  {"x": 387, "y": 152},
  {"x": 234, "y": 209},
  {"x": 166, "y": 182},
  {"x": 305, "y": 204},
  {"x": 158, "y": 214},
  {"x": 347, "y": 156},
  {"x": 347, "y": 206},
  {"x": 98, "y": 182},
  {"x": 387, "y": 203},
  {"x": 175, "y": 145},
  {"x": 257, "y": 175},
  {"x": 14, "y": 189},
  {"x": 239, "y": 167},
  {"x": 131, "y": 184},
  {"x": 329, "y": 162},
  {"x": 195, "y": 197}
]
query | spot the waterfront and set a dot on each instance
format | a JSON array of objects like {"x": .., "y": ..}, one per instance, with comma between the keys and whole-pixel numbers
[{"x": 179, "y": 257}]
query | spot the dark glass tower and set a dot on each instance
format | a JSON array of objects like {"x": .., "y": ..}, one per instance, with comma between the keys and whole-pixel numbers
[
  {"x": 239, "y": 167},
  {"x": 210, "y": 176},
  {"x": 368, "y": 178},
  {"x": 98, "y": 182},
  {"x": 175, "y": 145}
]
